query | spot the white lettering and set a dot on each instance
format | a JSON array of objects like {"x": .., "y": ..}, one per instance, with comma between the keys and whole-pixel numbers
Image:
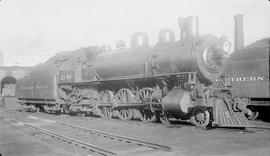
[
  {"x": 260, "y": 78},
  {"x": 242, "y": 79}
]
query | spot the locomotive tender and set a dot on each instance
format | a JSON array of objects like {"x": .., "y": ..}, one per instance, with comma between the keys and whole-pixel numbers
[
  {"x": 170, "y": 80},
  {"x": 248, "y": 71}
]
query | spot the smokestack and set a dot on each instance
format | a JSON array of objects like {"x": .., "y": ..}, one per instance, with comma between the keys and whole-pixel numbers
[
  {"x": 238, "y": 32},
  {"x": 189, "y": 27},
  {"x": 193, "y": 26}
]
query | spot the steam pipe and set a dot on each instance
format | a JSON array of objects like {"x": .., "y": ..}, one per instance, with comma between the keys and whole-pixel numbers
[{"x": 238, "y": 32}]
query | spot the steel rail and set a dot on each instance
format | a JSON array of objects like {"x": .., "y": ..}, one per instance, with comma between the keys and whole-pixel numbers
[
  {"x": 138, "y": 122},
  {"x": 94, "y": 148},
  {"x": 130, "y": 139},
  {"x": 260, "y": 127}
]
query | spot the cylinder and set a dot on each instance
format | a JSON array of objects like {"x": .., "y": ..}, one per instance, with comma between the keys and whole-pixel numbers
[
  {"x": 178, "y": 101},
  {"x": 238, "y": 32}
]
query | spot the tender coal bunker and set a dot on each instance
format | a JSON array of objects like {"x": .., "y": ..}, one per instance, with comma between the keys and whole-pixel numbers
[{"x": 8, "y": 86}]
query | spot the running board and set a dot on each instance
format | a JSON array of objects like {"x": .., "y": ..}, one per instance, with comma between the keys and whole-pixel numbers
[{"x": 224, "y": 116}]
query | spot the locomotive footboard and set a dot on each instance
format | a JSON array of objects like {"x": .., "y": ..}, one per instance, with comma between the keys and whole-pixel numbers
[{"x": 225, "y": 116}]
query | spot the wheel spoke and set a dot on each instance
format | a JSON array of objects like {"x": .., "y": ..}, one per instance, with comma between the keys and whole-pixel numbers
[
  {"x": 106, "y": 113},
  {"x": 141, "y": 96},
  {"x": 106, "y": 98},
  {"x": 124, "y": 96}
]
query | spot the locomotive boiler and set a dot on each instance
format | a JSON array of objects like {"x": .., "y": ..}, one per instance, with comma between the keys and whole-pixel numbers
[{"x": 170, "y": 80}]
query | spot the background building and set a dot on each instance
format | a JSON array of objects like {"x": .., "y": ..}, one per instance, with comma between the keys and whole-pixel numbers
[{"x": 1, "y": 58}]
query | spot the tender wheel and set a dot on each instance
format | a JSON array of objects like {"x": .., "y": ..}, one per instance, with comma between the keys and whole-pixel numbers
[
  {"x": 124, "y": 96},
  {"x": 46, "y": 109},
  {"x": 200, "y": 117},
  {"x": 33, "y": 108},
  {"x": 143, "y": 96}
]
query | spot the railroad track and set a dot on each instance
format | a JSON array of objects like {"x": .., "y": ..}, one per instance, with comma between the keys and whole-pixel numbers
[
  {"x": 132, "y": 122},
  {"x": 99, "y": 142}
]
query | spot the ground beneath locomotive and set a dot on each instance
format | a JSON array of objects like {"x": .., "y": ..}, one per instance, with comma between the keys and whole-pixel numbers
[
  {"x": 16, "y": 140},
  {"x": 184, "y": 139}
]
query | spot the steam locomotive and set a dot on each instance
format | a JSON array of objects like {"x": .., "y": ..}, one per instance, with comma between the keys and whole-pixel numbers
[{"x": 171, "y": 80}]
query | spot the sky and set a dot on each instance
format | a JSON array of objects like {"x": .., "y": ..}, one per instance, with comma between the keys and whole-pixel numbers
[{"x": 31, "y": 31}]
